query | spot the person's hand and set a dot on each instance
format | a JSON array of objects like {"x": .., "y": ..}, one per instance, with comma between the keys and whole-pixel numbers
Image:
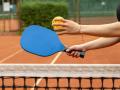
[
  {"x": 69, "y": 27},
  {"x": 74, "y": 50}
]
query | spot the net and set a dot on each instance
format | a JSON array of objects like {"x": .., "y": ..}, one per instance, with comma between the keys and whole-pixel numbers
[{"x": 59, "y": 77}]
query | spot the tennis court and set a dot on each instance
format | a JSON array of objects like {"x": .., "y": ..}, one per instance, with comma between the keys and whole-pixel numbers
[
  {"x": 20, "y": 70},
  {"x": 11, "y": 51},
  {"x": 24, "y": 71}
]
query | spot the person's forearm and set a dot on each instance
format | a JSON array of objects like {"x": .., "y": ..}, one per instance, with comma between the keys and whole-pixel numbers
[
  {"x": 100, "y": 43},
  {"x": 105, "y": 30}
]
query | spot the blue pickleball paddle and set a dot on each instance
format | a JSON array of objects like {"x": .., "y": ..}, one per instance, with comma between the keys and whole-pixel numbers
[{"x": 42, "y": 41}]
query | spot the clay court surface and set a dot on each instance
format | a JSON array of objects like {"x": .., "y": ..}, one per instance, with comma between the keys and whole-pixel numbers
[{"x": 11, "y": 52}]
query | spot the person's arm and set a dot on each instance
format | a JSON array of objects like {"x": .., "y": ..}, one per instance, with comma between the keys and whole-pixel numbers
[
  {"x": 104, "y": 30},
  {"x": 95, "y": 44}
]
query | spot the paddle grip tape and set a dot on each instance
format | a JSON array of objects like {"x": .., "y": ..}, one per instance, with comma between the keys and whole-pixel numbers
[{"x": 82, "y": 54}]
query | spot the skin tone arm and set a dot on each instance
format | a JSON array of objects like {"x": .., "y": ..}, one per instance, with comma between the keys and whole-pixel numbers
[
  {"x": 95, "y": 44},
  {"x": 110, "y": 31},
  {"x": 104, "y": 30}
]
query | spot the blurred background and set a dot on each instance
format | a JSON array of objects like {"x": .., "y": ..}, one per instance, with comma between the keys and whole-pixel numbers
[{"x": 16, "y": 14}]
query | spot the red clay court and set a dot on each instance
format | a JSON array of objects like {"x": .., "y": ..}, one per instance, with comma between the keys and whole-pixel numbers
[
  {"x": 11, "y": 51},
  {"x": 99, "y": 69}
]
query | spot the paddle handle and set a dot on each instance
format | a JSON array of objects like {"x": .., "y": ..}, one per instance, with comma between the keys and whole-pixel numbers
[{"x": 82, "y": 53}]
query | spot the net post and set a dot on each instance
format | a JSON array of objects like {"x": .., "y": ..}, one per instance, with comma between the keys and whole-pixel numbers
[
  {"x": 78, "y": 11},
  {"x": 18, "y": 12}
]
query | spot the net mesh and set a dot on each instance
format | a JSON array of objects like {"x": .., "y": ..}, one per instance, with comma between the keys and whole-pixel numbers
[{"x": 59, "y": 77}]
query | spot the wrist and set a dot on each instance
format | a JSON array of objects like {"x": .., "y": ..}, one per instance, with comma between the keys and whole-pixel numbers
[
  {"x": 81, "y": 29},
  {"x": 84, "y": 47}
]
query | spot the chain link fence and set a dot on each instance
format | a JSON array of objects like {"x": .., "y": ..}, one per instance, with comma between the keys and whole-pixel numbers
[
  {"x": 9, "y": 10},
  {"x": 9, "y": 17}
]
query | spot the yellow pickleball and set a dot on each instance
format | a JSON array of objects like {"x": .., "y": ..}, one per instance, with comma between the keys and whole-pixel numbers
[{"x": 57, "y": 20}]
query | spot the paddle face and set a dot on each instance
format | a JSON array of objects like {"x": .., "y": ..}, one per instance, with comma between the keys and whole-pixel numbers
[{"x": 40, "y": 41}]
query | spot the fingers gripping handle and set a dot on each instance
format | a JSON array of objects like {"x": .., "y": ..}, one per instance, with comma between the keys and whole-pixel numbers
[{"x": 82, "y": 53}]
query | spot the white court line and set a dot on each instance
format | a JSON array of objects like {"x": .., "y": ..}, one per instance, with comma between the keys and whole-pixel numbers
[
  {"x": 56, "y": 58},
  {"x": 10, "y": 56},
  {"x": 53, "y": 61}
]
